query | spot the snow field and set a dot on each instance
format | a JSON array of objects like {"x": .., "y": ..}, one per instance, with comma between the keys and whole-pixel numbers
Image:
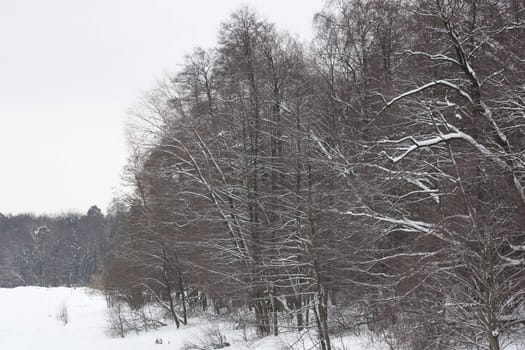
[{"x": 29, "y": 320}]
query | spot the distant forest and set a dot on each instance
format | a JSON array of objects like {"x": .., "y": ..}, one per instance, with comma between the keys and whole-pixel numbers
[
  {"x": 374, "y": 177},
  {"x": 49, "y": 251}
]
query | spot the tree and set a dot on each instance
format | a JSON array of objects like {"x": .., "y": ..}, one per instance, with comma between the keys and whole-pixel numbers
[
  {"x": 374, "y": 180},
  {"x": 444, "y": 154}
]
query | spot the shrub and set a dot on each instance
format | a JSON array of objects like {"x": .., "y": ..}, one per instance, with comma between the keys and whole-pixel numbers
[
  {"x": 63, "y": 314},
  {"x": 212, "y": 339}
]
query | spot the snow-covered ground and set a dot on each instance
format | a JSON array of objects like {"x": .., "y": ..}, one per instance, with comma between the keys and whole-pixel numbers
[{"x": 29, "y": 321}]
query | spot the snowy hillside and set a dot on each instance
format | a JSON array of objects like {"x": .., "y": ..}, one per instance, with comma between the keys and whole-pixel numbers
[{"x": 30, "y": 321}]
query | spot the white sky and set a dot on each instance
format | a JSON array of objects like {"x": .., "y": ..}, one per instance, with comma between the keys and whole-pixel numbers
[{"x": 69, "y": 71}]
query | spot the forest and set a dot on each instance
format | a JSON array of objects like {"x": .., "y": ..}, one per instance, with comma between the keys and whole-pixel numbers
[
  {"x": 371, "y": 178},
  {"x": 53, "y": 250}
]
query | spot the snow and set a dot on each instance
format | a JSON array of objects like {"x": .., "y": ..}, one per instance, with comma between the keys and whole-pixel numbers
[{"x": 29, "y": 321}]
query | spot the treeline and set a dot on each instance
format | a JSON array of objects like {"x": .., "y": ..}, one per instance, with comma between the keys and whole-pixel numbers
[
  {"x": 49, "y": 251},
  {"x": 373, "y": 177}
]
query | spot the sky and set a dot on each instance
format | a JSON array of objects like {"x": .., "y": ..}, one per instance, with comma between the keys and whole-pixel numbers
[{"x": 70, "y": 70}]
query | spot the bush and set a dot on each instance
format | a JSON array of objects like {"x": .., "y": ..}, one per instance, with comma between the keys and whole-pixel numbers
[
  {"x": 62, "y": 314},
  {"x": 123, "y": 320},
  {"x": 212, "y": 339}
]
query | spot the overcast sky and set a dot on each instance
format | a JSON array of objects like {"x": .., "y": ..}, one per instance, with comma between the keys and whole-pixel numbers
[{"x": 69, "y": 71}]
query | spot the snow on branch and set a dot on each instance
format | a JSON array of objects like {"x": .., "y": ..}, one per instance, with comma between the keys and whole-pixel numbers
[
  {"x": 426, "y": 189},
  {"x": 438, "y": 57},
  {"x": 321, "y": 146},
  {"x": 517, "y": 248},
  {"x": 513, "y": 262},
  {"x": 416, "y": 144},
  {"x": 401, "y": 255},
  {"x": 456, "y": 134},
  {"x": 424, "y": 87},
  {"x": 406, "y": 225}
]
